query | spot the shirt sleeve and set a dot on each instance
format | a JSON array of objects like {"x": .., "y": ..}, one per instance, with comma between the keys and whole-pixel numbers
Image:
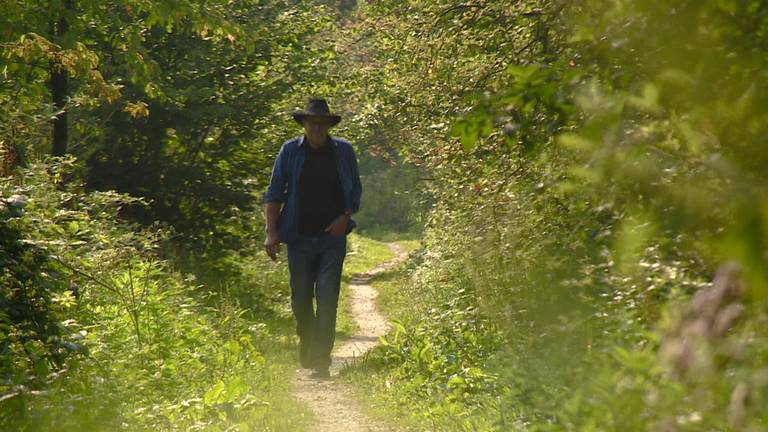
[
  {"x": 276, "y": 191},
  {"x": 357, "y": 187}
]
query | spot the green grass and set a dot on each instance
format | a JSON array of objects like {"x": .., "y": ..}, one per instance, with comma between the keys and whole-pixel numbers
[
  {"x": 408, "y": 244},
  {"x": 283, "y": 412},
  {"x": 363, "y": 254},
  {"x": 391, "y": 285},
  {"x": 381, "y": 235},
  {"x": 375, "y": 388},
  {"x": 391, "y": 394}
]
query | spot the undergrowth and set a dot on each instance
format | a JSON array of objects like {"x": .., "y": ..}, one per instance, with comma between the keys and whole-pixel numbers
[
  {"x": 101, "y": 333},
  {"x": 498, "y": 339}
]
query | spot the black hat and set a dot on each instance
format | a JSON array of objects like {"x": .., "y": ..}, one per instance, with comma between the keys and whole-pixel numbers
[{"x": 316, "y": 107}]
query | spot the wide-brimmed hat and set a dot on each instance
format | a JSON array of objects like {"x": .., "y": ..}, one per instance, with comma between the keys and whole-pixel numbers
[{"x": 316, "y": 107}]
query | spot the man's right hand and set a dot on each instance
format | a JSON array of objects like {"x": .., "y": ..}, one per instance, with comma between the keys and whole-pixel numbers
[{"x": 272, "y": 245}]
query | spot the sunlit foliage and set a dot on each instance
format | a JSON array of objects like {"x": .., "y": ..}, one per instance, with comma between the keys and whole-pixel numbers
[{"x": 593, "y": 164}]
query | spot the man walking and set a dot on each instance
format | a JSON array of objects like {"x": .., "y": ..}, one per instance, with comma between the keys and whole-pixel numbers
[{"x": 315, "y": 188}]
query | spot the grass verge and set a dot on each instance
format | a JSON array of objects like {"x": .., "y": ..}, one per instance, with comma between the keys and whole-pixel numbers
[
  {"x": 363, "y": 254},
  {"x": 412, "y": 381}
]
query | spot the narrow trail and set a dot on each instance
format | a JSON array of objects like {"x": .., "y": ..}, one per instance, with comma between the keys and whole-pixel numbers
[{"x": 332, "y": 402}]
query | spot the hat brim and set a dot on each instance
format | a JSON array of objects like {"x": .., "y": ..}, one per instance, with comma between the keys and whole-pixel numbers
[{"x": 300, "y": 116}]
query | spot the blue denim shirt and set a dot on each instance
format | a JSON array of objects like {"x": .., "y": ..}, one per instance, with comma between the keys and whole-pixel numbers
[{"x": 283, "y": 187}]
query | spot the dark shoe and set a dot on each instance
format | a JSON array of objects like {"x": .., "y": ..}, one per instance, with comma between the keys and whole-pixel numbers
[{"x": 320, "y": 373}]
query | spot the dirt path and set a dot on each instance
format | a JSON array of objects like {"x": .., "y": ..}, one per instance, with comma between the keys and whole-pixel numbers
[{"x": 332, "y": 402}]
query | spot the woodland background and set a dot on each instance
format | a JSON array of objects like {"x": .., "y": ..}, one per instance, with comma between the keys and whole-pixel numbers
[{"x": 586, "y": 177}]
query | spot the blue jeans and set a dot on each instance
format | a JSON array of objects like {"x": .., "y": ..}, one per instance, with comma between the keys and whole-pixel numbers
[{"x": 315, "y": 266}]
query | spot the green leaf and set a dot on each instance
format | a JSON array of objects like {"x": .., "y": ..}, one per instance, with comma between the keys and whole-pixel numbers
[
  {"x": 575, "y": 142},
  {"x": 214, "y": 394}
]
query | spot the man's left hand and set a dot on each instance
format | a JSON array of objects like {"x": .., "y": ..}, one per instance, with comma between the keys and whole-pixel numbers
[{"x": 338, "y": 226}]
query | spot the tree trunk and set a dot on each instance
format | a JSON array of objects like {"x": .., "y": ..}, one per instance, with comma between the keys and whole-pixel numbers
[{"x": 59, "y": 86}]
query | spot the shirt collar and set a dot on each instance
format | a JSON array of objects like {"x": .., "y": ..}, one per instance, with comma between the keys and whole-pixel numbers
[{"x": 304, "y": 137}]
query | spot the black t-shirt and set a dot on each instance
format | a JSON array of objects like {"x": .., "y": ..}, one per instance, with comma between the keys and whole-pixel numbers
[{"x": 321, "y": 199}]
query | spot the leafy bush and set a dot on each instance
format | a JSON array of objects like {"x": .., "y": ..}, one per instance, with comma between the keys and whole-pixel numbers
[
  {"x": 594, "y": 165},
  {"x": 151, "y": 350},
  {"x": 32, "y": 348}
]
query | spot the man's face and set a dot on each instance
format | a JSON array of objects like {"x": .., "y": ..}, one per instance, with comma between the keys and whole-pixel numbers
[{"x": 316, "y": 128}]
